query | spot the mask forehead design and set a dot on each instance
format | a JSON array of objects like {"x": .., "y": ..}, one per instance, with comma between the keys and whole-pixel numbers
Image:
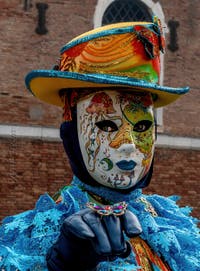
[
  {"x": 116, "y": 136},
  {"x": 100, "y": 103}
]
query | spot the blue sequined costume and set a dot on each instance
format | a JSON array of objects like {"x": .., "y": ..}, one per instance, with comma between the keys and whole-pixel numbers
[{"x": 172, "y": 233}]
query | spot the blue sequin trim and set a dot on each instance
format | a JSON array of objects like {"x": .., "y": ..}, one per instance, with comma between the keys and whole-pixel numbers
[
  {"x": 108, "y": 32},
  {"x": 102, "y": 79}
]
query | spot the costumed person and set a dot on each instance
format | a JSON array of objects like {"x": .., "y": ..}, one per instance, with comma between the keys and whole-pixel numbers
[{"x": 107, "y": 82}]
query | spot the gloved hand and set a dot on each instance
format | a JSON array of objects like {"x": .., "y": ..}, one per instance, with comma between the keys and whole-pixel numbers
[
  {"x": 104, "y": 232},
  {"x": 87, "y": 238}
]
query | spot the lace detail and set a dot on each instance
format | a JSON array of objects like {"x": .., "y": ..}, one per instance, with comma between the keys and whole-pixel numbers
[{"x": 26, "y": 237}]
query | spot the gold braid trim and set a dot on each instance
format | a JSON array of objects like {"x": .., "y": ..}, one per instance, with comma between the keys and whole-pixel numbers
[{"x": 145, "y": 256}]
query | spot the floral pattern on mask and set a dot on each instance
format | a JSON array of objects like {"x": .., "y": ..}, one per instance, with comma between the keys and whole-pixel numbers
[{"x": 116, "y": 136}]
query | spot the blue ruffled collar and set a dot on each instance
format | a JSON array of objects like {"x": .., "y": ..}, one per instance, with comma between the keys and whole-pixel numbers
[{"x": 107, "y": 193}]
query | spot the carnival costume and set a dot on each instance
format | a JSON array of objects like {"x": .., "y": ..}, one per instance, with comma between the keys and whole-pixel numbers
[{"x": 156, "y": 234}]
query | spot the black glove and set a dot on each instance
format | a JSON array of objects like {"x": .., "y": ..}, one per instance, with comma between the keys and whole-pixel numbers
[{"x": 87, "y": 238}]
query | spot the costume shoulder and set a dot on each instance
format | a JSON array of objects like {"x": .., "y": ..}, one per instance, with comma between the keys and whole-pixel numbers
[
  {"x": 172, "y": 232},
  {"x": 26, "y": 237}
]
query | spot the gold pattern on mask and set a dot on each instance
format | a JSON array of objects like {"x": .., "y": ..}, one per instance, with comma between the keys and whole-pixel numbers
[
  {"x": 123, "y": 136},
  {"x": 93, "y": 142}
]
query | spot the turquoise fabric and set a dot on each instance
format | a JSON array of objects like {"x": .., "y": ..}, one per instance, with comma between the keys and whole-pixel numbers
[{"x": 26, "y": 237}]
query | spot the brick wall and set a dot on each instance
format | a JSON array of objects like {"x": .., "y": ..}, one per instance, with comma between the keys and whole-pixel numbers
[
  {"x": 182, "y": 67},
  {"x": 176, "y": 172},
  {"x": 23, "y": 50},
  {"x": 31, "y": 168}
]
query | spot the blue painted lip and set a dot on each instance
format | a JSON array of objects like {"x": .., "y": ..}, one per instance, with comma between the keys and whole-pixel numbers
[{"x": 126, "y": 165}]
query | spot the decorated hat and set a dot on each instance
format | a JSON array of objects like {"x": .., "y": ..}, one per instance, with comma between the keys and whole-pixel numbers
[{"x": 123, "y": 55}]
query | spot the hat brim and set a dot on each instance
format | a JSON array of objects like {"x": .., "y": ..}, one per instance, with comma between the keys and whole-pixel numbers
[{"x": 45, "y": 85}]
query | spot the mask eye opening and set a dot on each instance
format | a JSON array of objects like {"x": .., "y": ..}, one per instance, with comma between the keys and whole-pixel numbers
[
  {"x": 106, "y": 126},
  {"x": 142, "y": 126}
]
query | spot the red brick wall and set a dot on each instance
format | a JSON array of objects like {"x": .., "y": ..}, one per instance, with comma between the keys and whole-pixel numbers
[
  {"x": 182, "y": 67},
  {"x": 176, "y": 172},
  {"x": 23, "y": 50},
  {"x": 31, "y": 168}
]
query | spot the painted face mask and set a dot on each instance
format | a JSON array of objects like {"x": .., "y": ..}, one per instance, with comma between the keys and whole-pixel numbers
[{"x": 116, "y": 136}]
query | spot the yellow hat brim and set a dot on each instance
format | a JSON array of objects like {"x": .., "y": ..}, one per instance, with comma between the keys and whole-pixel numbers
[{"x": 46, "y": 84}]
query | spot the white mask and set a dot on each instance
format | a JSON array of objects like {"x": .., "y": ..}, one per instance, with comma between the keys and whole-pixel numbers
[{"x": 116, "y": 136}]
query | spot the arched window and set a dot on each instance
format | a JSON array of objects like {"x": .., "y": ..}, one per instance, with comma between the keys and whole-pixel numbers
[{"x": 126, "y": 11}]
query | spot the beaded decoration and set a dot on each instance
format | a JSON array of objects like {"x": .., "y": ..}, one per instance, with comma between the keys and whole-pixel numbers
[
  {"x": 117, "y": 209},
  {"x": 148, "y": 207}
]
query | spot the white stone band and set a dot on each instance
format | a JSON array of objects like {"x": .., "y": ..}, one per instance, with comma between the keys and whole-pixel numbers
[{"x": 52, "y": 134}]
